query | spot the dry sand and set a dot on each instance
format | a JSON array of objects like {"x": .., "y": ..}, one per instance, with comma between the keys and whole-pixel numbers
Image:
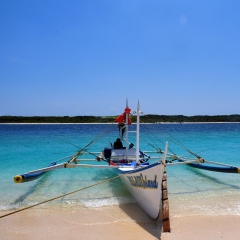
[{"x": 116, "y": 222}]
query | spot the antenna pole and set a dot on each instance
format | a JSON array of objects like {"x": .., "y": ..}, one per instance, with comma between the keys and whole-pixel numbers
[{"x": 138, "y": 132}]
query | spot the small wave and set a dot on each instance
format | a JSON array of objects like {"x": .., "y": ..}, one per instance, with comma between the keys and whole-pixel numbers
[
  {"x": 204, "y": 210},
  {"x": 108, "y": 201},
  {"x": 15, "y": 206}
]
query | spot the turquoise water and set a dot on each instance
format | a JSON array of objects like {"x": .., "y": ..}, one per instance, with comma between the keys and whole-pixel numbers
[{"x": 25, "y": 147}]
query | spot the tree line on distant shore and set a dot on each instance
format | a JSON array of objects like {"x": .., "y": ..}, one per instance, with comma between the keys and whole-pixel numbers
[{"x": 110, "y": 119}]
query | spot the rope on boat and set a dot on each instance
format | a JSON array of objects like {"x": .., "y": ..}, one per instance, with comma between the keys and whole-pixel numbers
[
  {"x": 178, "y": 143},
  {"x": 67, "y": 141},
  {"x": 149, "y": 126},
  {"x": 96, "y": 139},
  {"x": 73, "y": 157}
]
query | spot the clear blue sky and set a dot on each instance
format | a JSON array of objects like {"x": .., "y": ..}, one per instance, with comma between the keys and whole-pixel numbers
[{"x": 73, "y": 57}]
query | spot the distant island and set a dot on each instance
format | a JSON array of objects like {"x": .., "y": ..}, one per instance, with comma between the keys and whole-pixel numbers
[{"x": 109, "y": 119}]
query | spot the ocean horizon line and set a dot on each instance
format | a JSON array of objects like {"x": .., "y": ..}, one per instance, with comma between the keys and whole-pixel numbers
[{"x": 117, "y": 123}]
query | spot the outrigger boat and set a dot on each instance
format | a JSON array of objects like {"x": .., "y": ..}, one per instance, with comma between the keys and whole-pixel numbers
[{"x": 142, "y": 173}]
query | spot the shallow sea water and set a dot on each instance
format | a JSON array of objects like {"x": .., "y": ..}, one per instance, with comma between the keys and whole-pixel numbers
[{"x": 25, "y": 147}]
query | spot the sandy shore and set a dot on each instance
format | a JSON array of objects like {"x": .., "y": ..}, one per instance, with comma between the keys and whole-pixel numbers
[{"x": 117, "y": 222}]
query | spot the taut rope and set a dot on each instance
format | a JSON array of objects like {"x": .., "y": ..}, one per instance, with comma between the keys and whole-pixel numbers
[{"x": 66, "y": 194}]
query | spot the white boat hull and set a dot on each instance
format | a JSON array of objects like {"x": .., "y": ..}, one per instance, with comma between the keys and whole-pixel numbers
[{"x": 145, "y": 185}]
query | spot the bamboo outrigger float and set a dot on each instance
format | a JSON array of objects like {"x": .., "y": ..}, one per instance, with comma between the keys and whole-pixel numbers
[{"x": 143, "y": 174}]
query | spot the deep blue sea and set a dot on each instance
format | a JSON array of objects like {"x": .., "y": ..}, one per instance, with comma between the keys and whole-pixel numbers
[{"x": 26, "y": 147}]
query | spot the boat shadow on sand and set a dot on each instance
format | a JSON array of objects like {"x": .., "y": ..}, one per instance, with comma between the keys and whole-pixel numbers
[
  {"x": 133, "y": 210},
  {"x": 153, "y": 227}
]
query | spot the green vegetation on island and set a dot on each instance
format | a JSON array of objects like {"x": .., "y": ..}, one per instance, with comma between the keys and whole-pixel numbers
[{"x": 110, "y": 119}]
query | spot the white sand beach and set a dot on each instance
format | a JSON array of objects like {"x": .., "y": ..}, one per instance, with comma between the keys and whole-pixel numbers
[{"x": 115, "y": 222}]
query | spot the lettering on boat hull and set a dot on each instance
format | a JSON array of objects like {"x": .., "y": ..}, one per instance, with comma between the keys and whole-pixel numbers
[{"x": 143, "y": 182}]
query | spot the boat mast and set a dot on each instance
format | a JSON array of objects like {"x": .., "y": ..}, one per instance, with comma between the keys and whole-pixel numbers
[
  {"x": 137, "y": 134},
  {"x": 127, "y": 131}
]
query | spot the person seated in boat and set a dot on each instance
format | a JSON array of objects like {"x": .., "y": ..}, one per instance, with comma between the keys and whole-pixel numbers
[{"x": 118, "y": 144}]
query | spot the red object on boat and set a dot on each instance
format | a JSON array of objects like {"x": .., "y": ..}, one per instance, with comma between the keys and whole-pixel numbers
[
  {"x": 127, "y": 110},
  {"x": 112, "y": 163},
  {"x": 122, "y": 118}
]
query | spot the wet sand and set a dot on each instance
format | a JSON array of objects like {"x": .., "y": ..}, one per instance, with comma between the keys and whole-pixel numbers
[{"x": 115, "y": 222}]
